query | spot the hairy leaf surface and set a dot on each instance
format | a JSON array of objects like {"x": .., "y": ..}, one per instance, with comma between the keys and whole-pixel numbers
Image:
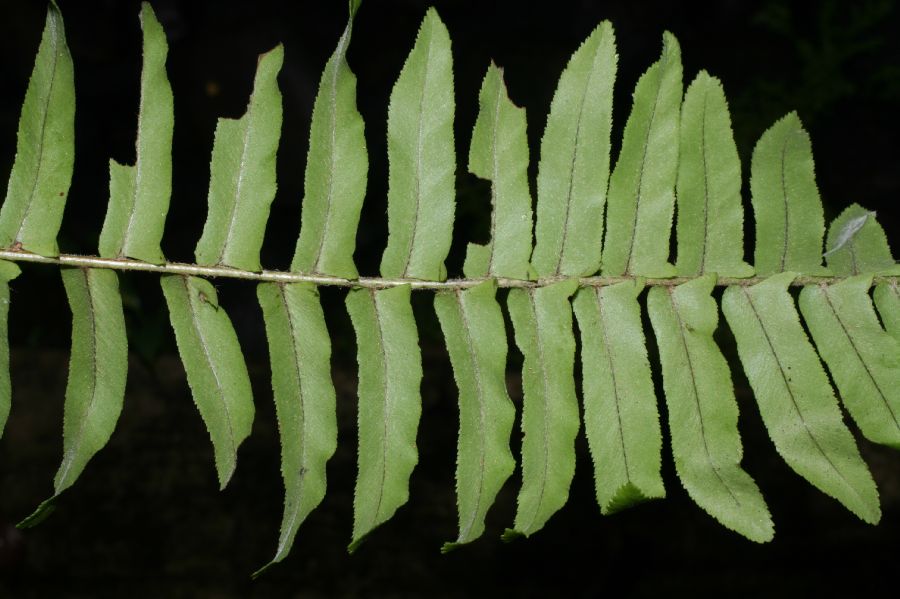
[
  {"x": 45, "y": 148},
  {"x": 139, "y": 194},
  {"x": 336, "y": 170},
  {"x": 422, "y": 159},
  {"x": 98, "y": 366},
  {"x": 542, "y": 321},
  {"x": 390, "y": 372},
  {"x": 710, "y": 228},
  {"x": 642, "y": 185},
  {"x": 8, "y": 272},
  {"x": 790, "y": 223},
  {"x": 621, "y": 420},
  {"x": 703, "y": 414},
  {"x": 574, "y": 166},
  {"x": 300, "y": 352},
  {"x": 795, "y": 400},
  {"x": 475, "y": 333},
  {"x": 863, "y": 359},
  {"x": 857, "y": 244},
  {"x": 887, "y": 299},
  {"x": 499, "y": 153},
  {"x": 242, "y": 174},
  {"x": 214, "y": 365}
]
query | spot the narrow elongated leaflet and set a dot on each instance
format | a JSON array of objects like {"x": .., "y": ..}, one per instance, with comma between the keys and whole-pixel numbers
[
  {"x": 336, "y": 169},
  {"x": 703, "y": 414},
  {"x": 574, "y": 167},
  {"x": 790, "y": 223},
  {"x": 422, "y": 159},
  {"x": 300, "y": 352},
  {"x": 390, "y": 372},
  {"x": 856, "y": 244},
  {"x": 139, "y": 194},
  {"x": 473, "y": 327},
  {"x": 242, "y": 174},
  {"x": 642, "y": 185},
  {"x": 863, "y": 359},
  {"x": 542, "y": 321},
  {"x": 621, "y": 420},
  {"x": 795, "y": 400},
  {"x": 98, "y": 366},
  {"x": 214, "y": 365},
  {"x": 887, "y": 299},
  {"x": 499, "y": 153},
  {"x": 8, "y": 272},
  {"x": 45, "y": 148},
  {"x": 710, "y": 228}
]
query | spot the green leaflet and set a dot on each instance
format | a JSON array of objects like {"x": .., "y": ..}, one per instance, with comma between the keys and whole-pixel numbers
[
  {"x": 97, "y": 370},
  {"x": 139, "y": 194},
  {"x": 475, "y": 332},
  {"x": 390, "y": 372},
  {"x": 422, "y": 160},
  {"x": 214, "y": 365},
  {"x": 499, "y": 153},
  {"x": 795, "y": 400},
  {"x": 857, "y": 244},
  {"x": 336, "y": 169},
  {"x": 242, "y": 174},
  {"x": 864, "y": 360},
  {"x": 574, "y": 166},
  {"x": 887, "y": 299},
  {"x": 300, "y": 352},
  {"x": 45, "y": 150},
  {"x": 542, "y": 321},
  {"x": 8, "y": 272},
  {"x": 710, "y": 217},
  {"x": 642, "y": 185},
  {"x": 703, "y": 414},
  {"x": 620, "y": 416},
  {"x": 789, "y": 219}
]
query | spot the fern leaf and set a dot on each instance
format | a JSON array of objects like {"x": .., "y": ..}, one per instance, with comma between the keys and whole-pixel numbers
[
  {"x": 45, "y": 150},
  {"x": 574, "y": 165},
  {"x": 300, "y": 352},
  {"x": 621, "y": 420},
  {"x": 887, "y": 299},
  {"x": 795, "y": 400},
  {"x": 499, "y": 153},
  {"x": 8, "y": 272},
  {"x": 475, "y": 332},
  {"x": 863, "y": 359},
  {"x": 139, "y": 194},
  {"x": 857, "y": 244},
  {"x": 97, "y": 371},
  {"x": 390, "y": 372},
  {"x": 710, "y": 223},
  {"x": 642, "y": 185},
  {"x": 242, "y": 175},
  {"x": 703, "y": 414},
  {"x": 422, "y": 159},
  {"x": 214, "y": 364},
  {"x": 336, "y": 169},
  {"x": 542, "y": 322},
  {"x": 790, "y": 223}
]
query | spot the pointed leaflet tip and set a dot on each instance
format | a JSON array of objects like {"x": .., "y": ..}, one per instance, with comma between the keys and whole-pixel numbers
[{"x": 857, "y": 244}]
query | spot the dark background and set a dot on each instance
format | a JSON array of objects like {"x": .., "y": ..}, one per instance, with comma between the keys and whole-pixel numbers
[{"x": 146, "y": 518}]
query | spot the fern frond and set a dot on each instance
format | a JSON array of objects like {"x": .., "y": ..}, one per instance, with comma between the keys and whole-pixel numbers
[{"x": 672, "y": 142}]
